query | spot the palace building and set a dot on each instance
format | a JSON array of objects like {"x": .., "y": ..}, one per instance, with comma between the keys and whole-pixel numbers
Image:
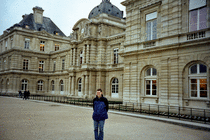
[{"x": 158, "y": 54}]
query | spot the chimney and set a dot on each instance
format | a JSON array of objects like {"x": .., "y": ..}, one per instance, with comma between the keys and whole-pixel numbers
[{"x": 38, "y": 14}]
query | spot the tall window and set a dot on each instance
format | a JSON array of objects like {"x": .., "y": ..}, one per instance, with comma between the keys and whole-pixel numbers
[
  {"x": 53, "y": 85},
  {"x": 54, "y": 65},
  {"x": 40, "y": 85},
  {"x": 42, "y": 44},
  {"x": 24, "y": 84},
  {"x": 6, "y": 45},
  {"x": 63, "y": 64},
  {"x": 41, "y": 65},
  {"x": 27, "y": 43},
  {"x": 198, "y": 81},
  {"x": 81, "y": 56},
  {"x": 80, "y": 85},
  {"x": 62, "y": 85},
  {"x": 11, "y": 42},
  {"x": 0, "y": 64},
  {"x": 56, "y": 47},
  {"x": 151, "y": 23},
  {"x": 25, "y": 64},
  {"x": 115, "y": 85},
  {"x": 151, "y": 81},
  {"x": 116, "y": 56},
  {"x": 197, "y": 15}
]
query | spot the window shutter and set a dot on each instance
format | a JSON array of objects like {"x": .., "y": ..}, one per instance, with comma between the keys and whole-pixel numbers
[
  {"x": 193, "y": 20},
  {"x": 154, "y": 29},
  {"x": 203, "y": 18},
  {"x": 148, "y": 31},
  {"x": 194, "y": 4}
]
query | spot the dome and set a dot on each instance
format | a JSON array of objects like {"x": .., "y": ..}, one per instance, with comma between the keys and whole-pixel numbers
[{"x": 106, "y": 7}]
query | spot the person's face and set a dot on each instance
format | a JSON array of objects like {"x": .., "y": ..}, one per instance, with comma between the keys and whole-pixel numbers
[{"x": 98, "y": 93}]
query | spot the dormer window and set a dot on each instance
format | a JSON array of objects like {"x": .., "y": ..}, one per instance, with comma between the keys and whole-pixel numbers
[
  {"x": 26, "y": 26},
  {"x": 56, "y": 33}
]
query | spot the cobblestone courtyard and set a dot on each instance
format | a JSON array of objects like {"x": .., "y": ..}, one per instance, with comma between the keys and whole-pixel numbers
[{"x": 35, "y": 120}]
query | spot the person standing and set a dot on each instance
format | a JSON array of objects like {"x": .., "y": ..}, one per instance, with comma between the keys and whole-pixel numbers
[
  {"x": 100, "y": 109},
  {"x": 25, "y": 95},
  {"x": 28, "y": 94},
  {"x": 20, "y": 94}
]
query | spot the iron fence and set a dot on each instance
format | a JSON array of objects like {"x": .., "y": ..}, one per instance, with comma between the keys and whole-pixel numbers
[{"x": 174, "y": 112}]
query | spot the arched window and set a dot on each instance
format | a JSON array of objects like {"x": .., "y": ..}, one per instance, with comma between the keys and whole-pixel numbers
[
  {"x": 53, "y": 85},
  {"x": 40, "y": 85},
  {"x": 62, "y": 85},
  {"x": 24, "y": 84},
  {"x": 80, "y": 85},
  {"x": 151, "y": 81},
  {"x": 198, "y": 81},
  {"x": 115, "y": 86}
]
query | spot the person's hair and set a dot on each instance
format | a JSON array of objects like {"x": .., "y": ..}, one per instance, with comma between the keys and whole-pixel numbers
[{"x": 99, "y": 90}]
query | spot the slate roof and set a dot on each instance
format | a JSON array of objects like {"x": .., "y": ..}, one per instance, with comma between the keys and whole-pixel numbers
[
  {"x": 106, "y": 7},
  {"x": 48, "y": 25}
]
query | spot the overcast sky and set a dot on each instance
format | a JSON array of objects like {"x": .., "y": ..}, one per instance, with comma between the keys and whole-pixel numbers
[{"x": 64, "y": 13}]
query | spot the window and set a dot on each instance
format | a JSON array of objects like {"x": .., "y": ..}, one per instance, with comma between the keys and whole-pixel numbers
[
  {"x": 62, "y": 85},
  {"x": 27, "y": 43},
  {"x": 81, "y": 56},
  {"x": 56, "y": 47},
  {"x": 151, "y": 26},
  {"x": 116, "y": 56},
  {"x": 42, "y": 44},
  {"x": 26, "y": 26},
  {"x": 151, "y": 81},
  {"x": 53, "y": 86},
  {"x": 198, "y": 81},
  {"x": 40, "y": 85},
  {"x": 0, "y": 64},
  {"x": 63, "y": 64},
  {"x": 54, "y": 65},
  {"x": 6, "y": 45},
  {"x": 41, "y": 65},
  {"x": 80, "y": 85},
  {"x": 24, "y": 84},
  {"x": 115, "y": 85},
  {"x": 197, "y": 15},
  {"x": 11, "y": 41},
  {"x": 25, "y": 64}
]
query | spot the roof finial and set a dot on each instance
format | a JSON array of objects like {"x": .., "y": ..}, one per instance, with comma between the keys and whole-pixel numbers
[{"x": 105, "y": 0}]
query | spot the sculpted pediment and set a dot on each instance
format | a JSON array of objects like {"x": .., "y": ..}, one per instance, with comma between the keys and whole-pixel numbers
[
  {"x": 43, "y": 33},
  {"x": 81, "y": 29}
]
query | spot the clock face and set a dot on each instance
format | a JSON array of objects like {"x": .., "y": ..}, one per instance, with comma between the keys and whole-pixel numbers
[{"x": 82, "y": 31}]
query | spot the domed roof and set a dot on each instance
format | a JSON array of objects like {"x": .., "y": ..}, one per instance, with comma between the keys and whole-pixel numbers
[{"x": 106, "y": 7}]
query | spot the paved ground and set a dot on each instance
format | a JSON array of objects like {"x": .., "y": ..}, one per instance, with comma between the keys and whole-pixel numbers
[{"x": 38, "y": 120}]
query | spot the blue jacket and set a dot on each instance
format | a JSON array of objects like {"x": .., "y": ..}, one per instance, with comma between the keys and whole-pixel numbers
[{"x": 100, "y": 108}]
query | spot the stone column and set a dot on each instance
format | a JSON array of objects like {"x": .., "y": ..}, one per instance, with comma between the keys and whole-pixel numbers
[
  {"x": 74, "y": 53},
  {"x": 83, "y": 85},
  {"x": 84, "y": 55},
  {"x": 87, "y": 86},
  {"x": 93, "y": 54},
  {"x": 87, "y": 54},
  {"x": 108, "y": 55},
  {"x": 70, "y": 57},
  {"x": 69, "y": 86},
  {"x": 72, "y": 85}
]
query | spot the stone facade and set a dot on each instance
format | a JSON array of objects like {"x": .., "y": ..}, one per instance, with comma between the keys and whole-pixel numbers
[{"x": 149, "y": 57}]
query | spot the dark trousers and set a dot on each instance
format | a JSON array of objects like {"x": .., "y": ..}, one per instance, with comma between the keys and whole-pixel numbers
[{"x": 99, "y": 126}]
